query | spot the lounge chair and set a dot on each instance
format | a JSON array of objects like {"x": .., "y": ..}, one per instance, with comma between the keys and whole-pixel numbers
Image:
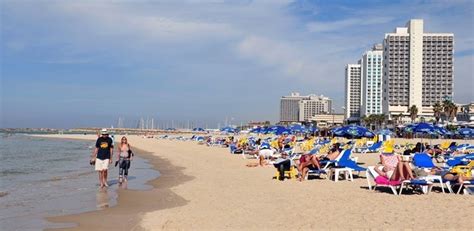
[
  {"x": 424, "y": 161},
  {"x": 347, "y": 162},
  {"x": 380, "y": 181},
  {"x": 374, "y": 148},
  {"x": 325, "y": 165}
]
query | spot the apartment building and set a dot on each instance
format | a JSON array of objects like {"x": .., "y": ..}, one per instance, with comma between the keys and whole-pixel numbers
[
  {"x": 353, "y": 92},
  {"x": 372, "y": 73},
  {"x": 418, "y": 69}
]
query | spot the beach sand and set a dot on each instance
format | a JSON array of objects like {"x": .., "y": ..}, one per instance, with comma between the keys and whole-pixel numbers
[{"x": 206, "y": 188}]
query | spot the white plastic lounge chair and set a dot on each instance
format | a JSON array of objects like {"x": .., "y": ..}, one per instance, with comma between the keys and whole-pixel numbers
[{"x": 372, "y": 174}]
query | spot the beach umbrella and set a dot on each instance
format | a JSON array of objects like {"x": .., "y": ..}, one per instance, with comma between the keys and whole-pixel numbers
[
  {"x": 296, "y": 128},
  {"x": 312, "y": 129},
  {"x": 442, "y": 131},
  {"x": 257, "y": 130},
  {"x": 281, "y": 130},
  {"x": 277, "y": 129},
  {"x": 466, "y": 132},
  {"x": 385, "y": 132},
  {"x": 421, "y": 128},
  {"x": 424, "y": 128},
  {"x": 353, "y": 131},
  {"x": 266, "y": 130},
  {"x": 198, "y": 129},
  {"x": 228, "y": 129}
]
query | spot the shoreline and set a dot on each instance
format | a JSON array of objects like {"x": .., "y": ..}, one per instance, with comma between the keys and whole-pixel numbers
[
  {"x": 206, "y": 188},
  {"x": 127, "y": 213}
]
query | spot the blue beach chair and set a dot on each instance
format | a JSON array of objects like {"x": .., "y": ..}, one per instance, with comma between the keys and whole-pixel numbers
[{"x": 374, "y": 148}]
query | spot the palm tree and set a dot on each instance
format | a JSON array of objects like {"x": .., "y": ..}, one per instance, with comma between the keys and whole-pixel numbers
[
  {"x": 447, "y": 108},
  {"x": 395, "y": 119},
  {"x": 413, "y": 110},
  {"x": 363, "y": 120},
  {"x": 450, "y": 109},
  {"x": 380, "y": 120},
  {"x": 437, "y": 109},
  {"x": 452, "y": 112}
]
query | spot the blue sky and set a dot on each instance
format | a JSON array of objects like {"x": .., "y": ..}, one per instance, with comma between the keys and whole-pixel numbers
[{"x": 85, "y": 63}]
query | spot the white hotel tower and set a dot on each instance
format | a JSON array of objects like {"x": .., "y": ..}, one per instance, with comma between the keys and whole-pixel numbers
[
  {"x": 418, "y": 69},
  {"x": 353, "y": 92},
  {"x": 372, "y": 72}
]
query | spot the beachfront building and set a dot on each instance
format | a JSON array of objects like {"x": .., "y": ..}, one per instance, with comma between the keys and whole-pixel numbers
[
  {"x": 289, "y": 108},
  {"x": 372, "y": 72},
  {"x": 418, "y": 69},
  {"x": 353, "y": 92},
  {"x": 328, "y": 120},
  {"x": 465, "y": 113},
  {"x": 313, "y": 105},
  {"x": 299, "y": 108}
]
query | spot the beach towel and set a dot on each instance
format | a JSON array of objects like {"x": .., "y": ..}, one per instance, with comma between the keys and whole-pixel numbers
[{"x": 382, "y": 180}]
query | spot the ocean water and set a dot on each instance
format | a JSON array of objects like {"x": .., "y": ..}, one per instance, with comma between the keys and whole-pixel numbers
[{"x": 42, "y": 177}]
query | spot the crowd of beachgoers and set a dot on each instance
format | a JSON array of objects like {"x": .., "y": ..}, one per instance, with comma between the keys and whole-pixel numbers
[{"x": 413, "y": 165}]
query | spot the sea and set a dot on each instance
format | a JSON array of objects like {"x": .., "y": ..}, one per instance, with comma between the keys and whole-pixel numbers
[{"x": 43, "y": 177}]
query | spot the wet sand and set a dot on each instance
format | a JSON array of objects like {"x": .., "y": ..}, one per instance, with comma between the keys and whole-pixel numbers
[{"x": 206, "y": 188}]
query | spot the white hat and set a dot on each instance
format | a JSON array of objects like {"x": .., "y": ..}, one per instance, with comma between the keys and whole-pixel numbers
[{"x": 104, "y": 131}]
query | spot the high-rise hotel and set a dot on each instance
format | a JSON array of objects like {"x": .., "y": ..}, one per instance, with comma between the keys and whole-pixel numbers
[
  {"x": 353, "y": 91},
  {"x": 413, "y": 68},
  {"x": 418, "y": 69},
  {"x": 298, "y": 108},
  {"x": 372, "y": 72}
]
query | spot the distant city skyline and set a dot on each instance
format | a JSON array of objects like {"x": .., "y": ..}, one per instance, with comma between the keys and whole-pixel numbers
[{"x": 72, "y": 64}]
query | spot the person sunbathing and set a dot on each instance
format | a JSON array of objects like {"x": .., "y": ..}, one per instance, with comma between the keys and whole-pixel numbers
[
  {"x": 283, "y": 164},
  {"x": 308, "y": 161},
  {"x": 393, "y": 167},
  {"x": 264, "y": 152},
  {"x": 281, "y": 141}
]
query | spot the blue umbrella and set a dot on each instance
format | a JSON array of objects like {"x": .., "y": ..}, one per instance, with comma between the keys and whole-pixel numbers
[
  {"x": 198, "y": 129},
  {"x": 421, "y": 128},
  {"x": 442, "y": 131},
  {"x": 276, "y": 129},
  {"x": 296, "y": 128},
  {"x": 281, "y": 130},
  {"x": 466, "y": 132},
  {"x": 266, "y": 130},
  {"x": 257, "y": 130},
  {"x": 353, "y": 131},
  {"x": 312, "y": 129},
  {"x": 228, "y": 129},
  {"x": 385, "y": 132}
]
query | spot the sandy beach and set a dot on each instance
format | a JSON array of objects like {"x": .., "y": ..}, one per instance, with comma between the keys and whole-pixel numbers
[{"x": 206, "y": 188}]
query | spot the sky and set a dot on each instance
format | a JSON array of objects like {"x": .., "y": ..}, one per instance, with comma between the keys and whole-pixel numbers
[{"x": 67, "y": 64}]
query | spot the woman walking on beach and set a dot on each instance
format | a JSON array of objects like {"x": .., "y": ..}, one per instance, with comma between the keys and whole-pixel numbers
[{"x": 124, "y": 156}]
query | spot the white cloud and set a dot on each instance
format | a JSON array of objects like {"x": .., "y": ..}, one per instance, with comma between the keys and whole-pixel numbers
[
  {"x": 279, "y": 55},
  {"x": 119, "y": 19},
  {"x": 346, "y": 23}
]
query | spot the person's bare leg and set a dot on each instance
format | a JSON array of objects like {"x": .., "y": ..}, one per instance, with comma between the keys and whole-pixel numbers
[
  {"x": 315, "y": 161},
  {"x": 100, "y": 178},
  {"x": 303, "y": 173},
  {"x": 380, "y": 172},
  {"x": 409, "y": 173},
  {"x": 399, "y": 170},
  {"x": 396, "y": 175},
  {"x": 105, "y": 178}
]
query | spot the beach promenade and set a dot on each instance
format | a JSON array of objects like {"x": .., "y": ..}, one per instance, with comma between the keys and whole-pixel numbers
[{"x": 206, "y": 188}]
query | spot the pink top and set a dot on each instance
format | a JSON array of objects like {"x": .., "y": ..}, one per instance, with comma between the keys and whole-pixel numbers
[{"x": 390, "y": 160}]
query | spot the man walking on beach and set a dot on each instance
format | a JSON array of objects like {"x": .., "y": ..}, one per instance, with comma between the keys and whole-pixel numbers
[{"x": 103, "y": 152}]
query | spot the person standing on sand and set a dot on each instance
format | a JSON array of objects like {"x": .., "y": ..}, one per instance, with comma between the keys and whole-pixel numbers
[
  {"x": 103, "y": 152},
  {"x": 124, "y": 156}
]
